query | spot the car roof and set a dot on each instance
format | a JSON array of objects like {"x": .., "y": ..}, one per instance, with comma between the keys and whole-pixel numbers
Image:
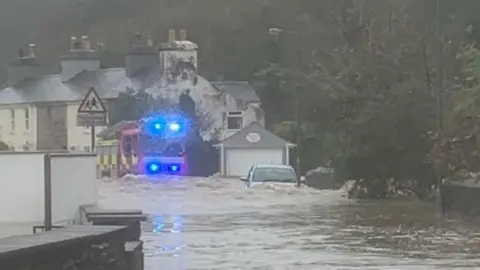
[{"x": 279, "y": 166}]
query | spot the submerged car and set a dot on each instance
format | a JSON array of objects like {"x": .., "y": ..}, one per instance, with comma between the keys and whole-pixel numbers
[{"x": 270, "y": 173}]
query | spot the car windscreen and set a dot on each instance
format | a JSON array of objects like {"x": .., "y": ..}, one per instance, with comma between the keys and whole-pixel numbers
[{"x": 271, "y": 174}]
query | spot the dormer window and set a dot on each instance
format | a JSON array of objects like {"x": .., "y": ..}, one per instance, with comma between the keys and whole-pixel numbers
[{"x": 235, "y": 120}]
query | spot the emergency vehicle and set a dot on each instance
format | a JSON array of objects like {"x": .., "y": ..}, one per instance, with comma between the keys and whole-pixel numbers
[{"x": 152, "y": 146}]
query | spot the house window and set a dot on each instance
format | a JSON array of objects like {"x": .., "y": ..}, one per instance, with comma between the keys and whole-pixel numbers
[
  {"x": 12, "y": 120},
  {"x": 27, "y": 119},
  {"x": 234, "y": 120}
]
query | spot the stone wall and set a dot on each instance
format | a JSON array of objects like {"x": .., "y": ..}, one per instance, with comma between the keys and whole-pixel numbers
[{"x": 71, "y": 248}]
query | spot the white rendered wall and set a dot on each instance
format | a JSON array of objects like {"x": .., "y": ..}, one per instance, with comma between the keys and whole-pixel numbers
[
  {"x": 74, "y": 183},
  {"x": 22, "y": 186}
]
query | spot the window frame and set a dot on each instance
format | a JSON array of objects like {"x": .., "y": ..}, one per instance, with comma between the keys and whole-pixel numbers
[
  {"x": 27, "y": 118},
  {"x": 12, "y": 120},
  {"x": 236, "y": 115}
]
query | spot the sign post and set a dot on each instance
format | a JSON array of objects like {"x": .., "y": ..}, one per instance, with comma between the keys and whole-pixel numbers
[{"x": 91, "y": 113}]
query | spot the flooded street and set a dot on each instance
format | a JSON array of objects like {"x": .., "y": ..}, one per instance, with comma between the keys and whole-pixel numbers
[{"x": 197, "y": 223}]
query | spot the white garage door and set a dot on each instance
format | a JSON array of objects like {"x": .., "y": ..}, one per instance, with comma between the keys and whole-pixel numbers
[{"x": 238, "y": 161}]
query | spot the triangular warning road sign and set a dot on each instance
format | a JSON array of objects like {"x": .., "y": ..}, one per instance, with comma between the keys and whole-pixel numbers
[{"x": 92, "y": 103}]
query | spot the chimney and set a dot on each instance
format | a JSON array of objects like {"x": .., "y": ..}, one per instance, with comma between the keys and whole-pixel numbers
[
  {"x": 183, "y": 35},
  {"x": 75, "y": 45},
  {"x": 141, "y": 54},
  {"x": 185, "y": 51},
  {"x": 80, "y": 58},
  {"x": 31, "y": 51},
  {"x": 26, "y": 66},
  {"x": 172, "y": 36},
  {"x": 86, "y": 43}
]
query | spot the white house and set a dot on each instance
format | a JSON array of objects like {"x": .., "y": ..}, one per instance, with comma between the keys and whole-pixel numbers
[{"x": 39, "y": 111}]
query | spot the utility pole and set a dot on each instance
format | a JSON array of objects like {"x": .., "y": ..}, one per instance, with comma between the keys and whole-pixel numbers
[
  {"x": 299, "y": 135},
  {"x": 298, "y": 95},
  {"x": 276, "y": 32},
  {"x": 440, "y": 92}
]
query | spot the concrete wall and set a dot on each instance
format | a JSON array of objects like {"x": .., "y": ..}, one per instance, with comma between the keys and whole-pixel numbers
[
  {"x": 74, "y": 183},
  {"x": 89, "y": 247},
  {"x": 22, "y": 189}
]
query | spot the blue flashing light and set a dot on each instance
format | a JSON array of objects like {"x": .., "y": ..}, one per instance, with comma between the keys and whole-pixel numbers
[
  {"x": 166, "y": 126},
  {"x": 174, "y": 168},
  {"x": 155, "y": 168},
  {"x": 174, "y": 126}
]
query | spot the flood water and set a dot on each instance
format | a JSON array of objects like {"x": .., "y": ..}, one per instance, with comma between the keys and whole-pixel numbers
[{"x": 197, "y": 223}]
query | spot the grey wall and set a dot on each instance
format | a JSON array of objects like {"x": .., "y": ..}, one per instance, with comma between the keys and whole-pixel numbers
[
  {"x": 52, "y": 127},
  {"x": 461, "y": 199}
]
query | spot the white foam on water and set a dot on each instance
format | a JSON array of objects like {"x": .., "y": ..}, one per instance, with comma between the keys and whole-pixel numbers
[{"x": 216, "y": 223}]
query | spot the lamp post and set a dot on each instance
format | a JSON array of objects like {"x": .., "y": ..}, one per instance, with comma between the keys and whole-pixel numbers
[
  {"x": 439, "y": 94},
  {"x": 298, "y": 113}
]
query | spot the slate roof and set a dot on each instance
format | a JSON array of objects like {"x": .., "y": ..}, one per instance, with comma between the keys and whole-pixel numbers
[
  {"x": 267, "y": 138},
  {"x": 108, "y": 83},
  {"x": 238, "y": 89}
]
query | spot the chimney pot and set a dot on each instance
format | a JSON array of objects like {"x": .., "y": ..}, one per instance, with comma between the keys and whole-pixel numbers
[
  {"x": 171, "y": 35},
  {"x": 183, "y": 35}
]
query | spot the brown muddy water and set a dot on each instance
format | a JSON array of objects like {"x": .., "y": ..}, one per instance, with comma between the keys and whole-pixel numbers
[{"x": 199, "y": 223}]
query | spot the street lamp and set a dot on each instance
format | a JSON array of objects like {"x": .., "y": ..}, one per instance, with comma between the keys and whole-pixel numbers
[{"x": 298, "y": 118}]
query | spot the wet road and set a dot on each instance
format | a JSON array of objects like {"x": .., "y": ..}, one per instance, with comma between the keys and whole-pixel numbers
[{"x": 217, "y": 224}]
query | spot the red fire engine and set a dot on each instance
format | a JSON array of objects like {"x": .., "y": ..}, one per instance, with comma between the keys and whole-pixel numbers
[{"x": 152, "y": 146}]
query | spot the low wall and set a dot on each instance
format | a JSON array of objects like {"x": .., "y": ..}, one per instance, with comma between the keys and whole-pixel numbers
[
  {"x": 37, "y": 186},
  {"x": 73, "y": 184},
  {"x": 76, "y": 247},
  {"x": 464, "y": 199}
]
